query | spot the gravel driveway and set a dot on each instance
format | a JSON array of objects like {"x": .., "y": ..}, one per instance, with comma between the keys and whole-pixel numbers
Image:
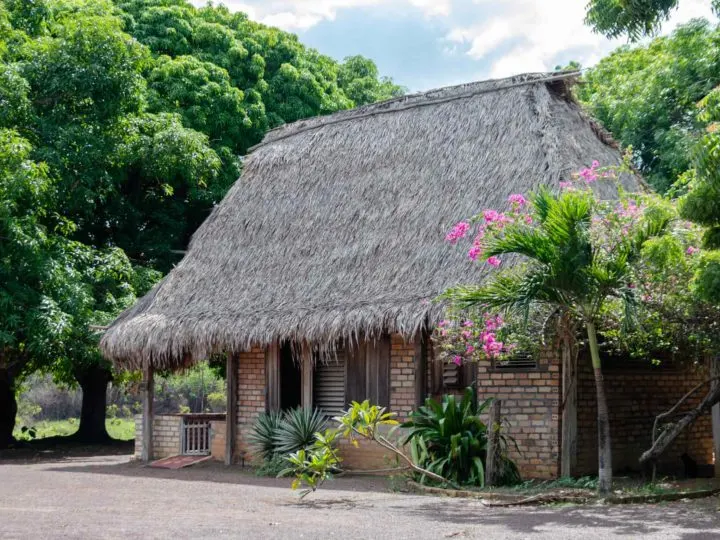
[{"x": 110, "y": 497}]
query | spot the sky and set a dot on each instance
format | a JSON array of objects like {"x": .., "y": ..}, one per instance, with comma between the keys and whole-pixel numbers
[{"x": 424, "y": 44}]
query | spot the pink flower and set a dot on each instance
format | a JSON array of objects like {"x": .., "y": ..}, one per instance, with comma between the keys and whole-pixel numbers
[
  {"x": 467, "y": 334},
  {"x": 458, "y": 360},
  {"x": 516, "y": 199},
  {"x": 470, "y": 349},
  {"x": 528, "y": 220},
  {"x": 595, "y": 164},
  {"x": 692, "y": 250},
  {"x": 491, "y": 215},
  {"x": 468, "y": 324},
  {"x": 458, "y": 231},
  {"x": 474, "y": 253},
  {"x": 565, "y": 185},
  {"x": 494, "y": 261},
  {"x": 443, "y": 323}
]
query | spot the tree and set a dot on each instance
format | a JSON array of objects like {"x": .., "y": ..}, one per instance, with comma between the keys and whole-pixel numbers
[
  {"x": 634, "y": 19},
  {"x": 579, "y": 255},
  {"x": 646, "y": 97},
  {"x": 136, "y": 112},
  {"x": 359, "y": 78}
]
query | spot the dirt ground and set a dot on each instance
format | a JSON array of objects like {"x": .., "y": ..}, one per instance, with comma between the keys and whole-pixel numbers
[{"x": 111, "y": 497}]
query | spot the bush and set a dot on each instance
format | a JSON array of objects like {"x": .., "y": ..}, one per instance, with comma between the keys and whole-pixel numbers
[
  {"x": 450, "y": 440},
  {"x": 272, "y": 466}
]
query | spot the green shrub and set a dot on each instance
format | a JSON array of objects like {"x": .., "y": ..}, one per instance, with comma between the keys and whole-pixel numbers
[
  {"x": 264, "y": 432},
  {"x": 450, "y": 439},
  {"x": 272, "y": 466},
  {"x": 297, "y": 429}
]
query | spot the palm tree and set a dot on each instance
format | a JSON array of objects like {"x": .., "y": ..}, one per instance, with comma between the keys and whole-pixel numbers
[{"x": 567, "y": 268}]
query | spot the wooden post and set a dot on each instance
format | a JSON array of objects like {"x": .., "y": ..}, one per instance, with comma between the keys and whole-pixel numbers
[
  {"x": 148, "y": 416},
  {"x": 491, "y": 464},
  {"x": 715, "y": 372},
  {"x": 272, "y": 379},
  {"x": 306, "y": 370},
  {"x": 421, "y": 375},
  {"x": 231, "y": 389},
  {"x": 568, "y": 450}
]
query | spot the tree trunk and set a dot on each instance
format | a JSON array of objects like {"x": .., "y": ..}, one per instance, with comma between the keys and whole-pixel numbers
[
  {"x": 671, "y": 432},
  {"x": 93, "y": 381},
  {"x": 8, "y": 408},
  {"x": 604, "y": 446}
]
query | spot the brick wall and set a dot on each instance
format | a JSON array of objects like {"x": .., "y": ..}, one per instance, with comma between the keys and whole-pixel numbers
[
  {"x": 635, "y": 397},
  {"x": 251, "y": 382},
  {"x": 402, "y": 376},
  {"x": 531, "y": 405},
  {"x": 166, "y": 435},
  {"x": 217, "y": 442}
]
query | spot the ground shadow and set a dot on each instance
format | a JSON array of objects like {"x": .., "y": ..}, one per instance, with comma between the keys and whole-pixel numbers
[
  {"x": 217, "y": 472},
  {"x": 61, "y": 449},
  {"x": 623, "y": 520}
]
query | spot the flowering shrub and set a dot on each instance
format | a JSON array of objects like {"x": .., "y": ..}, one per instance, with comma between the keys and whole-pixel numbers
[
  {"x": 464, "y": 338},
  {"x": 669, "y": 317}
]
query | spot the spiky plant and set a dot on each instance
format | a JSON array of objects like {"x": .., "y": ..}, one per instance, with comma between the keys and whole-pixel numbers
[
  {"x": 263, "y": 433},
  {"x": 297, "y": 429}
]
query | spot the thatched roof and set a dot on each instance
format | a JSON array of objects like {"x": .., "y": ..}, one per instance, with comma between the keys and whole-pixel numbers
[{"x": 337, "y": 224}]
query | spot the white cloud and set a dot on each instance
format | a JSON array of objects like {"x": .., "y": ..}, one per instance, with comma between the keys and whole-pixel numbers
[
  {"x": 540, "y": 33},
  {"x": 296, "y": 15}
]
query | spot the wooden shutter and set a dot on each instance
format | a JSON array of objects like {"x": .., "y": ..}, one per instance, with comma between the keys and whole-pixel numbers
[
  {"x": 378, "y": 371},
  {"x": 356, "y": 373},
  {"x": 329, "y": 384},
  {"x": 368, "y": 372}
]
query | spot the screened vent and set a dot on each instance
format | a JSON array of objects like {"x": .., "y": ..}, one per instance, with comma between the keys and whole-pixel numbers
[
  {"x": 521, "y": 360},
  {"x": 329, "y": 384},
  {"x": 452, "y": 375}
]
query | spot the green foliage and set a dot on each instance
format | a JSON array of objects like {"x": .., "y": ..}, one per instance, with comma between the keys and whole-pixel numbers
[
  {"x": 646, "y": 97},
  {"x": 313, "y": 465},
  {"x": 297, "y": 429},
  {"x": 450, "y": 439},
  {"x": 707, "y": 277},
  {"x": 634, "y": 18},
  {"x": 565, "y": 482},
  {"x": 358, "y": 77},
  {"x": 121, "y": 429},
  {"x": 263, "y": 436},
  {"x": 273, "y": 466},
  {"x": 121, "y": 127}
]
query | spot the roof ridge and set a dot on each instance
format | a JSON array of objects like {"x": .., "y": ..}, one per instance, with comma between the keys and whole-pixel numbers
[{"x": 419, "y": 99}]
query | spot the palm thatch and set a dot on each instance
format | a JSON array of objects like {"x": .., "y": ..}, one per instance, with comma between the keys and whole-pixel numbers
[{"x": 337, "y": 225}]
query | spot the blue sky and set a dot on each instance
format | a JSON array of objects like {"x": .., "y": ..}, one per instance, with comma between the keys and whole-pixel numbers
[{"x": 426, "y": 44}]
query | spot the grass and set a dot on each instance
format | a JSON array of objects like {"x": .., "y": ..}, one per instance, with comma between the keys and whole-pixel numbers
[{"x": 122, "y": 429}]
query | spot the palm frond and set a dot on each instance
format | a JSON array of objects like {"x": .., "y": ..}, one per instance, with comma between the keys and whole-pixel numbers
[{"x": 519, "y": 239}]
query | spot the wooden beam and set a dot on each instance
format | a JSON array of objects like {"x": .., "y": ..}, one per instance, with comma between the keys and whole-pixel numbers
[
  {"x": 148, "y": 386},
  {"x": 231, "y": 388},
  {"x": 491, "y": 462},
  {"x": 306, "y": 375}
]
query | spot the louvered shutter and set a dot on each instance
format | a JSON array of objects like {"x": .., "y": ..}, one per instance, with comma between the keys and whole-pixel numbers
[{"x": 329, "y": 384}]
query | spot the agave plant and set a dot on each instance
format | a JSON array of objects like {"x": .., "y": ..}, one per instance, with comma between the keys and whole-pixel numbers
[
  {"x": 263, "y": 433},
  {"x": 297, "y": 429}
]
